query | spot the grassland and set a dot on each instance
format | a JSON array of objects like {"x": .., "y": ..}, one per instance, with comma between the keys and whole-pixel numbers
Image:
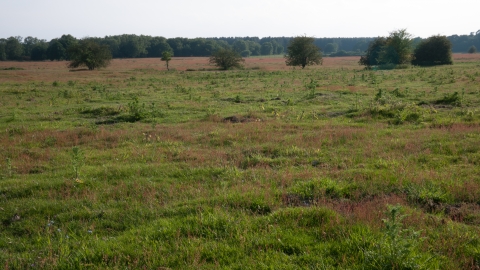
[{"x": 135, "y": 167}]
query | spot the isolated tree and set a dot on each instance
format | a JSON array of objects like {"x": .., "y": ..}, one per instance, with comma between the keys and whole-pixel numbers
[
  {"x": 90, "y": 54},
  {"x": 472, "y": 49},
  {"x": 226, "y": 59},
  {"x": 166, "y": 56},
  {"x": 397, "y": 49},
  {"x": 435, "y": 50},
  {"x": 301, "y": 51}
]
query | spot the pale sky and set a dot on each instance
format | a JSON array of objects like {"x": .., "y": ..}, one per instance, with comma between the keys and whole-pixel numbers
[{"x": 49, "y": 19}]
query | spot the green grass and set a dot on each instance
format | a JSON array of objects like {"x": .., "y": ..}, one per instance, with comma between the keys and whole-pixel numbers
[{"x": 247, "y": 169}]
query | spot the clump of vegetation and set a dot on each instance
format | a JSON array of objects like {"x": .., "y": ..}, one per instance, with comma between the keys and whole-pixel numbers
[
  {"x": 301, "y": 51},
  {"x": 226, "y": 59},
  {"x": 398, "y": 248},
  {"x": 90, "y": 54}
]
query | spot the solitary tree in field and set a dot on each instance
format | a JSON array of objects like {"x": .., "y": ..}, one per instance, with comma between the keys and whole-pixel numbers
[
  {"x": 472, "y": 49},
  {"x": 166, "y": 56},
  {"x": 302, "y": 52},
  {"x": 90, "y": 54},
  {"x": 435, "y": 50},
  {"x": 226, "y": 59}
]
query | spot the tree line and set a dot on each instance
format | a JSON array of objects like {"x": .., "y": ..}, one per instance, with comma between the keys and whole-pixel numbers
[{"x": 137, "y": 46}]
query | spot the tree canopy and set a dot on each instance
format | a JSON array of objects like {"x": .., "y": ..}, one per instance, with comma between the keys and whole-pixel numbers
[
  {"x": 396, "y": 49},
  {"x": 90, "y": 54},
  {"x": 436, "y": 50},
  {"x": 166, "y": 56},
  {"x": 302, "y": 51},
  {"x": 226, "y": 59}
]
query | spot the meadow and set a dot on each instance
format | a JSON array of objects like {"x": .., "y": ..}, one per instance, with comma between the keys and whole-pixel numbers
[{"x": 268, "y": 167}]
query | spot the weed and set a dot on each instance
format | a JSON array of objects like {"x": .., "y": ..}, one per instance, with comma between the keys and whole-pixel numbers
[
  {"x": 78, "y": 160},
  {"x": 398, "y": 248}
]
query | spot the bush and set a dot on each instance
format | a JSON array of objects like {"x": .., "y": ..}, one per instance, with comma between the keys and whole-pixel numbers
[
  {"x": 472, "y": 49},
  {"x": 436, "y": 50},
  {"x": 226, "y": 59},
  {"x": 90, "y": 54}
]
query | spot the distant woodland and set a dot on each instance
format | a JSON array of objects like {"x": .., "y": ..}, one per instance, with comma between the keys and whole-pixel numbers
[{"x": 135, "y": 46}]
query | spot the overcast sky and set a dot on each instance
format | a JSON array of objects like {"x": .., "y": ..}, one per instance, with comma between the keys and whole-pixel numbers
[{"x": 48, "y": 19}]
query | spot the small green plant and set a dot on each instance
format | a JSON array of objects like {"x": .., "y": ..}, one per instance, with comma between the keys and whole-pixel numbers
[
  {"x": 453, "y": 99},
  {"x": 398, "y": 248},
  {"x": 136, "y": 111},
  {"x": 78, "y": 161},
  {"x": 9, "y": 167}
]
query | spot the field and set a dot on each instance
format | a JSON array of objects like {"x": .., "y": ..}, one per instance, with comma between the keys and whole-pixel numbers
[{"x": 269, "y": 167}]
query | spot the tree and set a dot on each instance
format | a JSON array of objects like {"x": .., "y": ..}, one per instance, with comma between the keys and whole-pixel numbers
[
  {"x": 435, "y": 50},
  {"x": 331, "y": 48},
  {"x": 301, "y": 51},
  {"x": 166, "y": 56},
  {"x": 90, "y": 54},
  {"x": 56, "y": 51},
  {"x": 398, "y": 48},
  {"x": 3, "y": 54},
  {"x": 372, "y": 54},
  {"x": 472, "y": 49},
  {"x": 226, "y": 58},
  {"x": 14, "y": 48},
  {"x": 240, "y": 45},
  {"x": 393, "y": 50},
  {"x": 39, "y": 52},
  {"x": 266, "y": 48}
]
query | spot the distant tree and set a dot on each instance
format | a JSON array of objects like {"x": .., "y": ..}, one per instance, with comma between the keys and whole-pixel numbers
[
  {"x": 67, "y": 41},
  {"x": 266, "y": 48},
  {"x": 29, "y": 43},
  {"x": 56, "y": 51},
  {"x": 240, "y": 45},
  {"x": 279, "y": 49},
  {"x": 3, "y": 54},
  {"x": 245, "y": 53},
  {"x": 398, "y": 48},
  {"x": 301, "y": 51},
  {"x": 90, "y": 54},
  {"x": 166, "y": 56},
  {"x": 254, "y": 47},
  {"x": 132, "y": 46},
  {"x": 157, "y": 46},
  {"x": 372, "y": 54},
  {"x": 39, "y": 52},
  {"x": 331, "y": 48},
  {"x": 14, "y": 48},
  {"x": 226, "y": 59},
  {"x": 472, "y": 49},
  {"x": 361, "y": 45},
  {"x": 435, "y": 50}
]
